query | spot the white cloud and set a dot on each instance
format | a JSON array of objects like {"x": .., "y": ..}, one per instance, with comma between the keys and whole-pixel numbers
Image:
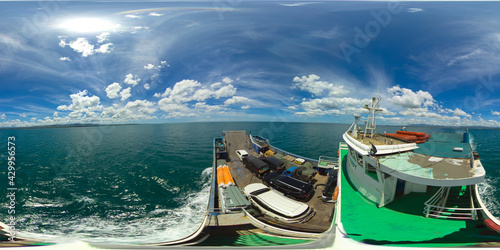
[
  {"x": 183, "y": 88},
  {"x": 464, "y": 57},
  {"x": 297, "y": 4},
  {"x": 142, "y": 106},
  {"x": 165, "y": 94},
  {"x": 237, "y": 100},
  {"x": 172, "y": 107},
  {"x": 178, "y": 100},
  {"x": 131, "y": 80},
  {"x": 155, "y": 14},
  {"x": 82, "y": 105},
  {"x": 125, "y": 94},
  {"x": 330, "y": 34},
  {"x": 457, "y": 112},
  {"x": 205, "y": 108},
  {"x": 408, "y": 99},
  {"x": 82, "y": 102},
  {"x": 103, "y": 37},
  {"x": 65, "y": 59},
  {"x": 55, "y": 114},
  {"x": 113, "y": 89},
  {"x": 414, "y": 10},
  {"x": 495, "y": 113},
  {"x": 3, "y": 116},
  {"x": 133, "y": 16},
  {"x": 11, "y": 42},
  {"x": 23, "y": 115},
  {"x": 202, "y": 94},
  {"x": 227, "y": 80},
  {"x": 225, "y": 91},
  {"x": 105, "y": 48},
  {"x": 82, "y": 46},
  {"x": 313, "y": 85},
  {"x": 146, "y": 86},
  {"x": 422, "y": 112},
  {"x": 149, "y": 66}
]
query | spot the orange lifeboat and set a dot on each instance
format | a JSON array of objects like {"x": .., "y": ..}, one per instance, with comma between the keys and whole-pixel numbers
[
  {"x": 410, "y": 136},
  {"x": 224, "y": 177}
]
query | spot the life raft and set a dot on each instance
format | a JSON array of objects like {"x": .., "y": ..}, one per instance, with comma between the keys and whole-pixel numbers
[{"x": 410, "y": 136}]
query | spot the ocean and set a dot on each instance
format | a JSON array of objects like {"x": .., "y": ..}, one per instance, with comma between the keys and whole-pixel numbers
[{"x": 150, "y": 182}]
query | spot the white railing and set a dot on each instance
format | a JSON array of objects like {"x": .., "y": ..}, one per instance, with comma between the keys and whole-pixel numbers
[{"x": 436, "y": 207}]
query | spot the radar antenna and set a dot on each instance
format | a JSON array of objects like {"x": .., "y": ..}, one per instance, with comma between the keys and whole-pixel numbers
[{"x": 370, "y": 123}]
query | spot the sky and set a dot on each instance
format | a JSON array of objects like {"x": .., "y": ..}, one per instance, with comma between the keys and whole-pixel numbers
[{"x": 435, "y": 63}]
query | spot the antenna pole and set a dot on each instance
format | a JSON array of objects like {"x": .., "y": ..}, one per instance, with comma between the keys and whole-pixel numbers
[{"x": 370, "y": 123}]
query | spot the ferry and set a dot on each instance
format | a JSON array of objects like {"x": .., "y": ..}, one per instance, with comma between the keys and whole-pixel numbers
[{"x": 390, "y": 190}]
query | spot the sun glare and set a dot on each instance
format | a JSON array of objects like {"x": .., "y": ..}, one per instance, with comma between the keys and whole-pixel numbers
[{"x": 88, "y": 25}]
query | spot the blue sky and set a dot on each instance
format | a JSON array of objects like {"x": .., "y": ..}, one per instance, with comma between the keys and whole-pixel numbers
[{"x": 100, "y": 62}]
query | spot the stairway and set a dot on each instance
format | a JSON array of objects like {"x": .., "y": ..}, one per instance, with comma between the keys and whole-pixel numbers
[{"x": 453, "y": 203}]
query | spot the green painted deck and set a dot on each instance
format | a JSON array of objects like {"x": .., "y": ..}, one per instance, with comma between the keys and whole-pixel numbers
[{"x": 402, "y": 223}]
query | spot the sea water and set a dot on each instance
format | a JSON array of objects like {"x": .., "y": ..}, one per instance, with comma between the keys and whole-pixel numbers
[{"x": 150, "y": 183}]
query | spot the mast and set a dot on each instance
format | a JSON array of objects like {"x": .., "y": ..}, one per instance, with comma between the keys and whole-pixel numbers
[{"x": 370, "y": 123}]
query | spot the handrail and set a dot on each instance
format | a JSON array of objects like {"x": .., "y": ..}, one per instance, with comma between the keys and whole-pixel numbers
[
  {"x": 437, "y": 195},
  {"x": 267, "y": 227},
  {"x": 433, "y": 209}
]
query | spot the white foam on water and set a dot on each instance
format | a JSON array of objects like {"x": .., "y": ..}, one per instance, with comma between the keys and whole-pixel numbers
[
  {"x": 158, "y": 226},
  {"x": 489, "y": 194}
]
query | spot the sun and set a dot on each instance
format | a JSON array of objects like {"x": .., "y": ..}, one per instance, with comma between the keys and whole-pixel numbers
[{"x": 88, "y": 25}]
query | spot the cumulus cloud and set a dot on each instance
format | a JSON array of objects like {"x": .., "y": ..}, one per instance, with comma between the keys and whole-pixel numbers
[
  {"x": 172, "y": 107},
  {"x": 3, "y": 116},
  {"x": 189, "y": 90},
  {"x": 103, "y": 37},
  {"x": 408, "y": 99},
  {"x": 142, "y": 106},
  {"x": 81, "y": 105},
  {"x": 149, "y": 66},
  {"x": 82, "y": 45},
  {"x": 225, "y": 91},
  {"x": 65, "y": 59},
  {"x": 237, "y": 100},
  {"x": 329, "y": 98},
  {"x": 112, "y": 91},
  {"x": 227, "y": 80},
  {"x": 146, "y": 86},
  {"x": 125, "y": 94},
  {"x": 81, "y": 101},
  {"x": 178, "y": 101},
  {"x": 457, "y": 112},
  {"x": 131, "y": 80},
  {"x": 495, "y": 113},
  {"x": 312, "y": 84}
]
